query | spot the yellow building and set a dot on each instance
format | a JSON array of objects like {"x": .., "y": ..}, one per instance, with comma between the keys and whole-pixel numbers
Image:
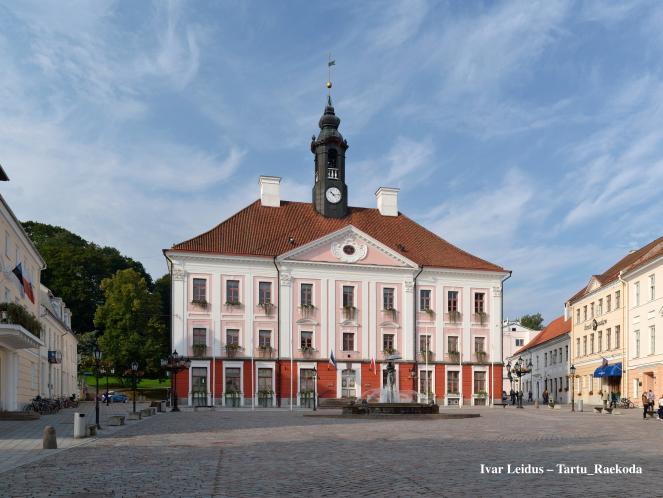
[
  {"x": 598, "y": 336},
  {"x": 20, "y": 362}
]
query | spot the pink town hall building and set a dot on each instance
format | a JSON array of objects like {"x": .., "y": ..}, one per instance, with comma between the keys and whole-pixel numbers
[{"x": 262, "y": 301}]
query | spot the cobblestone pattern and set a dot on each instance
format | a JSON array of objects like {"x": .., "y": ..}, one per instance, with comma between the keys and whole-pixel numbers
[{"x": 278, "y": 453}]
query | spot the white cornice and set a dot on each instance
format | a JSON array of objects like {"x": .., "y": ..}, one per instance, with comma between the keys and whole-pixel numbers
[{"x": 635, "y": 272}]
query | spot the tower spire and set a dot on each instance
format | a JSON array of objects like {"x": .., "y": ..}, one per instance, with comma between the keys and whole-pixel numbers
[{"x": 331, "y": 62}]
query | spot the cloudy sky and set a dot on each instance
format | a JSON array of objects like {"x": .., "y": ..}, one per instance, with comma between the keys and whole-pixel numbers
[{"x": 529, "y": 133}]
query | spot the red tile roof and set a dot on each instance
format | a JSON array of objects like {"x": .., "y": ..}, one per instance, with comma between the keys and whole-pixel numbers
[
  {"x": 629, "y": 262},
  {"x": 554, "y": 329},
  {"x": 267, "y": 231}
]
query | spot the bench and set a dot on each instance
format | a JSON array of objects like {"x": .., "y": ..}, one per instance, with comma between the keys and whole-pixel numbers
[
  {"x": 500, "y": 403},
  {"x": 134, "y": 416},
  {"x": 147, "y": 412},
  {"x": 116, "y": 420}
]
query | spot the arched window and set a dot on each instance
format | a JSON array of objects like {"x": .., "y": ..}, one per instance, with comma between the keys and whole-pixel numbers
[{"x": 332, "y": 166}]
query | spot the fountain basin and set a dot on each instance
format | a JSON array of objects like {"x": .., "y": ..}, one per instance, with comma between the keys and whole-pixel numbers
[{"x": 391, "y": 409}]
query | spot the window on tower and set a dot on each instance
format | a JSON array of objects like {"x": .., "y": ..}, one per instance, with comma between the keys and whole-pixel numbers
[{"x": 332, "y": 164}]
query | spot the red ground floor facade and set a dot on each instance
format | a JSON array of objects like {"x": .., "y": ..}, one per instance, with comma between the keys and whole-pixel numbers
[{"x": 271, "y": 383}]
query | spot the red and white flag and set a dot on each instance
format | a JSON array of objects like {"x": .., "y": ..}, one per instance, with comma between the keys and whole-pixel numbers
[{"x": 373, "y": 365}]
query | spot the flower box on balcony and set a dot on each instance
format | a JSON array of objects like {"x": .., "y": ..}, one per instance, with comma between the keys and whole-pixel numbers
[
  {"x": 389, "y": 351},
  {"x": 349, "y": 312},
  {"x": 265, "y": 351},
  {"x": 16, "y": 314},
  {"x": 481, "y": 356},
  {"x": 454, "y": 356},
  {"x": 454, "y": 316},
  {"x": 199, "y": 349},
  {"x": 390, "y": 313},
  {"x": 429, "y": 312},
  {"x": 201, "y": 303},
  {"x": 233, "y": 303},
  {"x": 307, "y": 351},
  {"x": 481, "y": 317},
  {"x": 268, "y": 308},
  {"x": 232, "y": 350},
  {"x": 307, "y": 310},
  {"x": 426, "y": 356}
]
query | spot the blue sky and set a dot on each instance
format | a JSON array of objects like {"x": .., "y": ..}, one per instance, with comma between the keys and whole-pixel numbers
[{"x": 529, "y": 133}]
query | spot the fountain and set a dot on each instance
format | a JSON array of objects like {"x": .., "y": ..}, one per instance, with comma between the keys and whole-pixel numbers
[{"x": 391, "y": 400}]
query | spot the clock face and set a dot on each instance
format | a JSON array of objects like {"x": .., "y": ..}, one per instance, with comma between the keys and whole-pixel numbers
[{"x": 333, "y": 195}]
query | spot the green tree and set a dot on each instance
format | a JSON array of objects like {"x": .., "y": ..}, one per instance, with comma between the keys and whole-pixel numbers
[
  {"x": 162, "y": 289},
  {"x": 131, "y": 324},
  {"x": 76, "y": 268},
  {"x": 534, "y": 322}
]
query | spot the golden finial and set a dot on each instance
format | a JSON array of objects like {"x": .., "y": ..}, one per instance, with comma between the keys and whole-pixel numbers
[{"x": 330, "y": 63}]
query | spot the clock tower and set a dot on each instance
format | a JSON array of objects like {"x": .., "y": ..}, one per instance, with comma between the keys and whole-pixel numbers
[{"x": 330, "y": 193}]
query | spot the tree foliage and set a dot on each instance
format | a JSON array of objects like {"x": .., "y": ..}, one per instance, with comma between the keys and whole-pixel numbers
[
  {"x": 534, "y": 321},
  {"x": 131, "y": 323},
  {"x": 76, "y": 268}
]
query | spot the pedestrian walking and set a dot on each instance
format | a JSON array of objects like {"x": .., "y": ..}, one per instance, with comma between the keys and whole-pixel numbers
[
  {"x": 645, "y": 405},
  {"x": 529, "y": 398},
  {"x": 605, "y": 396},
  {"x": 545, "y": 396},
  {"x": 513, "y": 397},
  {"x": 651, "y": 398},
  {"x": 660, "y": 408},
  {"x": 613, "y": 399}
]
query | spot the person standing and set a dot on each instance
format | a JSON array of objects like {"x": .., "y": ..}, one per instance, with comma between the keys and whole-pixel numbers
[
  {"x": 660, "y": 408},
  {"x": 651, "y": 397},
  {"x": 605, "y": 396},
  {"x": 645, "y": 405},
  {"x": 513, "y": 397}
]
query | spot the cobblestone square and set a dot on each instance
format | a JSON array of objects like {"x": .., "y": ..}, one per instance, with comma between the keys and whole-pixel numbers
[{"x": 281, "y": 453}]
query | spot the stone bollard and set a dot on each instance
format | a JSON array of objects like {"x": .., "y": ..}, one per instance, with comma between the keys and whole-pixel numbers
[
  {"x": 50, "y": 441},
  {"x": 536, "y": 404},
  {"x": 80, "y": 427}
]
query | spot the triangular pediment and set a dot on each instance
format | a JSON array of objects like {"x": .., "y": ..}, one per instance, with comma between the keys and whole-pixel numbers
[
  {"x": 593, "y": 284},
  {"x": 348, "y": 246}
]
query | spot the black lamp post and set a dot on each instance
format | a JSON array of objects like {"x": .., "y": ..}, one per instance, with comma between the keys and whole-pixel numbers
[
  {"x": 175, "y": 363},
  {"x": 315, "y": 389},
  {"x": 520, "y": 368},
  {"x": 105, "y": 371},
  {"x": 134, "y": 371},
  {"x": 572, "y": 369},
  {"x": 97, "y": 361}
]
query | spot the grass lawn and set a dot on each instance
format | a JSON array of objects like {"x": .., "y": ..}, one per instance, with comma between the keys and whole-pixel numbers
[{"x": 114, "y": 383}]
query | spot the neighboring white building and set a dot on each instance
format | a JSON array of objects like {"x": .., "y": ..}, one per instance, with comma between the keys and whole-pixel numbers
[
  {"x": 514, "y": 337},
  {"x": 549, "y": 353},
  {"x": 59, "y": 356}
]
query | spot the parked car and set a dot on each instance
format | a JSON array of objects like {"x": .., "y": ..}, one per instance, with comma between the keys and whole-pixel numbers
[{"x": 118, "y": 398}]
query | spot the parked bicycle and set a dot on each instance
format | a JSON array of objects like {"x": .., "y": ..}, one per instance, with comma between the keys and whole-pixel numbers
[{"x": 626, "y": 403}]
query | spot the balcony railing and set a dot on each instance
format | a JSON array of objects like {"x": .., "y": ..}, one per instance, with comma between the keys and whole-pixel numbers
[
  {"x": 266, "y": 308},
  {"x": 349, "y": 313},
  {"x": 233, "y": 350},
  {"x": 265, "y": 351},
  {"x": 308, "y": 352},
  {"x": 480, "y": 356},
  {"x": 481, "y": 317},
  {"x": 454, "y": 316},
  {"x": 452, "y": 357},
  {"x": 307, "y": 311},
  {"x": 389, "y": 315},
  {"x": 426, "y": 356},
  {"x": 427, "y": 314},
  {"x": 199, "y": 350}
]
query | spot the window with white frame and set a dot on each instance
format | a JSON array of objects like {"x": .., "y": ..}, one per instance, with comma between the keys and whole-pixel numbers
[
  {"x": 607, "y": 339},
  {"x": 520, "y": 342},
  {"x": 424, "y": 343},
  {"x": 600, "y": 339},
  {"x": 479, "y": 382},
  {"x": 452, "y": 301},
  {"x": 479, "y": 302},
  {"x": 424, "y": 299},
  {"x": 545, "y": 359},
  {"x": 636, "y": 292},
  {"x": 232, "y": 337},
  {"x": 264, "y": 339},
  {"x": 348, "y": 341},
  {"x": 578, "y": 315},
  {"x": 591, "y": 344},
  {"x": 388, "y": 298},
  {"x": 584, "y": 345},
  {"x": 452, "y": 382},
  {"x": 652, "y": 287},
  {"x": 199, "y": 290},
  {"x": 388, "y": 343},
  {"x": 199, "y": 336},
  {"x": 617, "y": 338},
  {"x": 452, "y": 344},
  {"x": 306, "y": 340},
  {"x": 479, "y": 344},
  {"x": 577, "y": 346},
  {"x": 348, "y": 296},
  {"x": 264, "y": 293},
  {"x": 652, "y": 339},
  {"x": 425, "y": 382},
  {"x": 584, "y": 312},
  {"x": 232, "y": 291},
  {"x": 608, "y": 303},
  {"x": 306, "y": 295},
  {"x": 636, "y": 334},
  {"x": 617, "y": 300},
  {"x": 600, "y": 308},
  {"x": 233, "y": 380},
  {"x": 591, "y": 310}
]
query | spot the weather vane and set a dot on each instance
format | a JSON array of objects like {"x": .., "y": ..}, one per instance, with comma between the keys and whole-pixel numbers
[{"x": 330, "y": 63}]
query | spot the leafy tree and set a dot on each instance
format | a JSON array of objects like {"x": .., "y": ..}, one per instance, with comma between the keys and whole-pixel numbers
[
  {"x": 534, "y": 321},
  {"x": 76, "y": 268},
  {"x": 131, "y": 323},
  {"x": 162, "y": 289}
]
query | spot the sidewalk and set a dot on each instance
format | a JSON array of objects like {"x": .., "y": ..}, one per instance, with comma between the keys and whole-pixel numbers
[{"x": 21, "y": 441}]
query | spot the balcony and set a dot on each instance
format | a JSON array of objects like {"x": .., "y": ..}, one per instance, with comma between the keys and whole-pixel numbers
[
  {"x": 454, "y": 316},
  {"x": 233, "y": 350},
  {"x": 265, "y": 352},
  {"x": 426, "y": 315},
  {"x": 309, "y": 352},
  {"x": 199, "y": 350},
  {"x": 388, "y": 351},
  {"x": 266, "y": 309},
  {"x": 200, "y": 304},
  {"x": 232, "y": 306},
  {"x": 389, "y": 315},
  {"x": 426, "y": 356},
  {"x": 481, "y": 317},
  {"x": 480, "y": 356},
  {"x": 307, "y": 311},
  {"x": 452, "y": 357},
  {"x": 349, "y": 313}
]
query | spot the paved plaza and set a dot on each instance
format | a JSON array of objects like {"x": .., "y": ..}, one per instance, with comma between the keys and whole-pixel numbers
[{"x": 282, "y": 453}]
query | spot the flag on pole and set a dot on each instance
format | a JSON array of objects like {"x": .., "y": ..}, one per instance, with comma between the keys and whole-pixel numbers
[
  {"x": 27, "y": 286},
  {"x": 18, "y": 273},
  {"x": 332, "y": 360},
  {"x": 373, "y": 365}
]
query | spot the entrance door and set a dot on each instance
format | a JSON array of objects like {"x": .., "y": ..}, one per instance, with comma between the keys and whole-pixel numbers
[
  {"x": 199, "y": 386},
  {"x": 348, "y": 384}
]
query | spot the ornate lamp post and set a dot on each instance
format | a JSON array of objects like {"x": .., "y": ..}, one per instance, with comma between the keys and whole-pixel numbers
[
  {"x": 134, "y": 372},
  {"x": 97, "y": 361},
  {"x": 572, "y": 369},
  {"x": 175, "y": 363},
  {"x": 315, "y": 389},
  {"x": 520, "y": 368}
]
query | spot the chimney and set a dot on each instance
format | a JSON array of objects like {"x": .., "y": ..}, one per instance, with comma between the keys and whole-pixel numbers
[
  {"x": 387, "y": 201},
  {"x": 270, "y": 191}
]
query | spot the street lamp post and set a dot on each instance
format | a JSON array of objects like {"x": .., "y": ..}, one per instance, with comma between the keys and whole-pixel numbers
[
  {"x": 134, "y": 371},
  {"x": 520, "y": 368},
  {"x": 175, "y": 363},
  {"x": 105, "y": 370},
  {"x": 97, "y": 360},
  {"x": 572, "y": 370},
  {"x": 315, "y": 389}
]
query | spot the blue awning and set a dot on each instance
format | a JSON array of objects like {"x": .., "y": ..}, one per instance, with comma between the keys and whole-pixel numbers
[{"x": 614, "y": 370}]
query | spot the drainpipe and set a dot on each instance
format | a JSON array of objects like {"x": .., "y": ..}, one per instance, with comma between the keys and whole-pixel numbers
[
  {"x": 414, "y": 330},
  {"x": 624, "y": 291},
  {"x": 172, "y": 324},
  {"x": 278, "y": 334},
  {"x": 501, "y": 330}
]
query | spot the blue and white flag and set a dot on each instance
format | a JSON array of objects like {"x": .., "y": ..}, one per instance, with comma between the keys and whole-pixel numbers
[{"x": 332, "y": 360}]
